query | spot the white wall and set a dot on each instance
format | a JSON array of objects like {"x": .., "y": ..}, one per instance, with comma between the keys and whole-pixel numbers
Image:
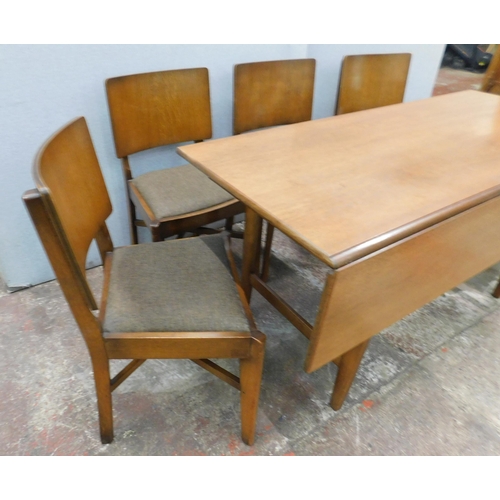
[{"x": 42, "y": 87}]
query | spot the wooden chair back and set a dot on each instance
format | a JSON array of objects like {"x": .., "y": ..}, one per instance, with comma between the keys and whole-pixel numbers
[
  {"x": 491, "y": 79},
  {"x": 71, "y": 187},
  {"x": 157, "y": 109},
  {"x": 371, "y": 81},
  {"x": 272, "y": 93}
]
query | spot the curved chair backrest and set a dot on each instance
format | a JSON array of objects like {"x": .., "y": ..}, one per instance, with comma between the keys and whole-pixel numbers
[
  {"x": 67, "y": 171},
  {"x": 371, "y": 81},
  {"x": 272, "y": 93},
  {"x": 157, "y": 109},
  {"x": 75, "y": 204}
]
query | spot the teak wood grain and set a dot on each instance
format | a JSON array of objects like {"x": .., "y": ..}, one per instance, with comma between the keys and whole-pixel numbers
[
  {"x": 271, "y": 93},
  {"x": 371, "y": 177},
  {"x": 156, "y": 109},
  {"x": 402, "y": 202},
  {"x": 366, "y": 296},
  {"x": 371, "y": 81}
]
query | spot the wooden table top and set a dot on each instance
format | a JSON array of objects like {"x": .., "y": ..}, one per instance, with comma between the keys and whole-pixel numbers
[{"x": 348, "y": 185}]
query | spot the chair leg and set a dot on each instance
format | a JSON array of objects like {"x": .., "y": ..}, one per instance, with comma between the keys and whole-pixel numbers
[
  {"x": 104, "y": 401},
  {"x": 496, "y": 293},
  {"x": 229, "y": 224},
  {"x": 267, "y": 253},
  {"x": 348, "y": 367},
  {"x": 250, "y": 380},
  {"x": 251, "y": 250},
  {"x": 133, "y": 227}
]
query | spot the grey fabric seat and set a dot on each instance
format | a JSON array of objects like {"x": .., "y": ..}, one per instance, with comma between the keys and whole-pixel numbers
[
  {"x": 179, "y": 190},
  {"x": 180, "y": 285}
]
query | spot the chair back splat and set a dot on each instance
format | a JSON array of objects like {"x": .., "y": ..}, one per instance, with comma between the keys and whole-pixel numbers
[
  {"x": 151, "y": 307},
  {"x": 271, "y": 93},
  {"x": 371, "y": 81}
]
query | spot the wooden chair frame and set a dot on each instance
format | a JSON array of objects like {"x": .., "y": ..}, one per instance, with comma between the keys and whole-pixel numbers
[
  {"x": 66, "y": 249},
  {"x": 371, "y": 81},
  {"x": 174, "y": 107}
]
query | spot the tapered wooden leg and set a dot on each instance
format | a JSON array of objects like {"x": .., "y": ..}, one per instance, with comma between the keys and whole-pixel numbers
[
  {"x": 251, "y": 249},
  {"x": 348, "y": 367},
  {"x": 496, "y": 293},
  {"x": 266, "y": 260},
  {"x": 133, "y": 228},
  {"x": 104, "y": 402},
  {"x": 250, "y": 380}
]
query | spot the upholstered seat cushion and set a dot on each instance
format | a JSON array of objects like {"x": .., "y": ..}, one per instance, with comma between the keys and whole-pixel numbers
[
  {"x": 176, "y": 285},
  {"x": 179, "y": 190}
]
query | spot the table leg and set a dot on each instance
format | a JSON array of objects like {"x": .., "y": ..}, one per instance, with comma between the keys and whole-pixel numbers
[
  {"x": 348, "y": 367},
  {"x": 266, "y": 260},
  {"x": 251, "y": 249}
]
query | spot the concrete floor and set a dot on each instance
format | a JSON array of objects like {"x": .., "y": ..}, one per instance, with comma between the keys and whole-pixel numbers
[
  {"x": 428, "y": 385},
  {"x": 454, "y": 80}
]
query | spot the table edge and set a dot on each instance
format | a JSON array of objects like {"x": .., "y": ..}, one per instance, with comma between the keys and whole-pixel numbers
[
  {"x": 340, "y": 259},
  {"x": 374, "y": 244}
]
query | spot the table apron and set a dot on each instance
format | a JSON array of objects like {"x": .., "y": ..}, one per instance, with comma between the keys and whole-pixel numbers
[{"x": 362, "y": 298}]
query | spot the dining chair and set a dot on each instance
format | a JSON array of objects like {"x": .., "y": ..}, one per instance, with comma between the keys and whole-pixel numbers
[
  {"x": 491, "y": 79},
  {"x": 162, "y": 108},
  {"x": 268, "y": 94},
  {"x": 371, "y": 81},
  {"x": 179, "y": 298}
]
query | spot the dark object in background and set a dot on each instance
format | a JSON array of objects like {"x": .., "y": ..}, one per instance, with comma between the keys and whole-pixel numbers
[{"x": 469, "y": 57}]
